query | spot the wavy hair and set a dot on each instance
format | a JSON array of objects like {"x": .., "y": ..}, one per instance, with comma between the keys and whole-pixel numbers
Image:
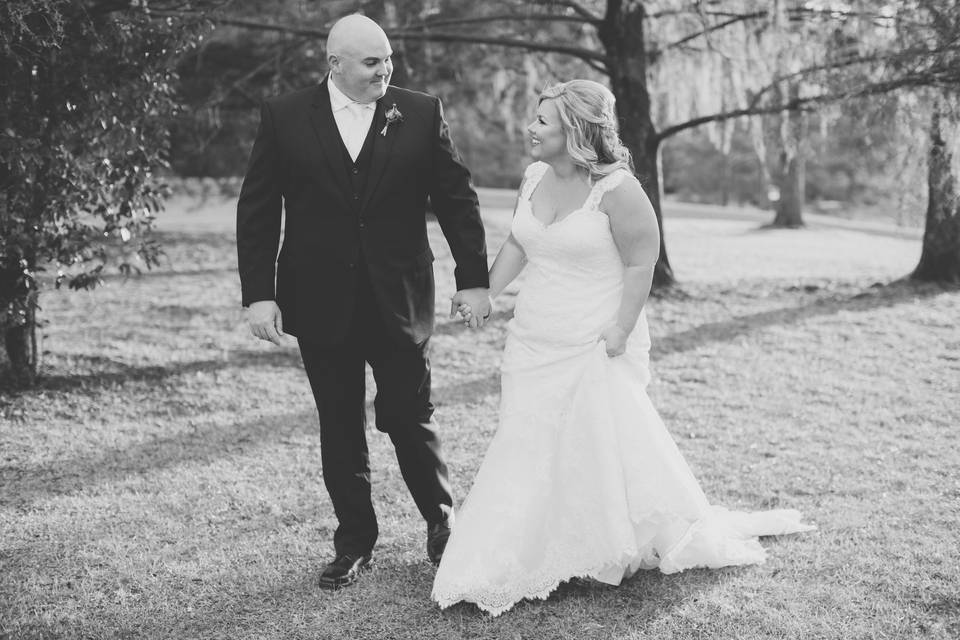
[{"x": 590, "y": 123}]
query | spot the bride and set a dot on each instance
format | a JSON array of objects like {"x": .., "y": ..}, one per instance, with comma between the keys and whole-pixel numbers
[{"x": 582, "y": 478}]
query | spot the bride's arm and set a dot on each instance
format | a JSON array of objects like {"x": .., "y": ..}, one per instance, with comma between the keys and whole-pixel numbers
[
  {"x": 633, "y": 224},
  {"x": 510, "y": 259},
  {"x": 507, "y": 266}
]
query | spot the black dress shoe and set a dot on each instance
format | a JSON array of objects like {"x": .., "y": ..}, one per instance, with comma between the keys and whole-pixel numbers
[
  {"x": 344, "y": 570},
  {"x": 437, "y": 536}
]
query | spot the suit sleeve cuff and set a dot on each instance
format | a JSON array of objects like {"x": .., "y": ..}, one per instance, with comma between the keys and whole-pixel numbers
[{"x": 472, "y": 278}]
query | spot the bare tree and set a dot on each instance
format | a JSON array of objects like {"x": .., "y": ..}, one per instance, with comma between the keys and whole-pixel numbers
[
  {"x": 940, "y": 257},
  {"x": 626, "y": 40}
]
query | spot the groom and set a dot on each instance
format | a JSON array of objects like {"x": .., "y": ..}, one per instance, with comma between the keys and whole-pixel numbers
[{"x": 353, "y": 162}]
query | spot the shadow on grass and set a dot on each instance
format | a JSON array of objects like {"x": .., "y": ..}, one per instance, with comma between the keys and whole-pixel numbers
[
  {"x": 170, "y": 271},
  {"x": 393, "y": 601},
  {"x": 875, "y": 297},
  {"x": 467, "y": 392},
  {"x": 281, "y": 599},
  {"x": 111, "y": 373},
  {"x": 898, "y": 233},
  {"x": 23, "y": 485},
  {"x": 195, "y": 238}
]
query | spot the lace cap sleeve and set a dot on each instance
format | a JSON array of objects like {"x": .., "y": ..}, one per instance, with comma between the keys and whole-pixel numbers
[
  {"x": 531, "y": 176},
  {"x": 604, "y": 185}
]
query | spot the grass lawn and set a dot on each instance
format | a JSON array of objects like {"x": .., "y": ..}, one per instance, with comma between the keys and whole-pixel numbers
[{"x": 164, "y": 480}]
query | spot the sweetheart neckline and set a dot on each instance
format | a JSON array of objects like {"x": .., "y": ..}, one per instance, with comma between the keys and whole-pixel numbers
[{"x": 555, "y": 221}]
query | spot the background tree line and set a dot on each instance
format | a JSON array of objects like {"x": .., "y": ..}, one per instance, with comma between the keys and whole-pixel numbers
[
  {"x": 856, "y": 148},
  {"x": 769, "y": 83},
  {"x": 759, "y": 101}
]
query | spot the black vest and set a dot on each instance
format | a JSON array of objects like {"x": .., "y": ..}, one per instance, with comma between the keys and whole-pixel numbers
[{"x": 359, "y": 169}]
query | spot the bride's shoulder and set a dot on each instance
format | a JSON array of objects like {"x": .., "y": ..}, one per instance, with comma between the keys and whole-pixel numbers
[
  {"x": 535, "y": 169},
  {"x": 619, "y": 181},
  {"x": 619, "y": 177},
  {"x": 531, "y": 176},
  {"x": 625, "y": 194}
]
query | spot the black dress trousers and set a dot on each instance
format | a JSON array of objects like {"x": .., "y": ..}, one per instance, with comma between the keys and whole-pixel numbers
[{"x": 403, "y": 410}]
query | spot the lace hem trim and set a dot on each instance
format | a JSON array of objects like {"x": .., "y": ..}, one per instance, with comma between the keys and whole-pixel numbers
[
  {"x": 736, "y": 548},
  {"x": 497, "y": 602}
]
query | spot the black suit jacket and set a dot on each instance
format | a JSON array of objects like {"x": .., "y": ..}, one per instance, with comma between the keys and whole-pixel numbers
[{"x": 297, "y": 160}]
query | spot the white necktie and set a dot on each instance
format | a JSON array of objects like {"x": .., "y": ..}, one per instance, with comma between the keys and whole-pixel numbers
[{"x": 356, "y": 133}]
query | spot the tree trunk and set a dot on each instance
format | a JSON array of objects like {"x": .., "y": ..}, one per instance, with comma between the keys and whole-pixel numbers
[
  {"x": 726, "y": 171},
  {"x": 790, "y": 205},
  {"x": 793, "y": 137},
  {"x": 19, "y": 338},
  {"x": 22, "y": 344},
  {"x": 940, "y": 257},
  {"x": 387, "y": 14},
  {"x": 623, "y": 39},
  {"x": 759, "y": 144}
]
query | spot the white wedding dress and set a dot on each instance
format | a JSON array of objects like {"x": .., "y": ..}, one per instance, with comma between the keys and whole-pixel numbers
[{"x": 582, "y": 478}]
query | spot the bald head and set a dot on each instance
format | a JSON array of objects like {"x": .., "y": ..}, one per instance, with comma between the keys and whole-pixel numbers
[
  {"x": 353, "y": 32},
  {"x": 358, "y": 52}
]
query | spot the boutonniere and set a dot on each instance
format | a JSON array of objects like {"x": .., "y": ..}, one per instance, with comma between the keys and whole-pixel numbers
[{"x": 393, "y": 115}]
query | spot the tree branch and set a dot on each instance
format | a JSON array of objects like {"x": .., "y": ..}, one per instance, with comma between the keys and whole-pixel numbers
[
  {"x": 577, "y": 52},
  {"x": 578, "y": 8},
  {"x": 733, "y": 18},
  {"x": 403, "y": 34},
  {"x": 712, "y": 28},
  {"x": 902, "y": 55},
  {"x": 877, "y": 88},
  {"x": 672, "y": 12},
  {"x": 170, "y": 8},
  {"x": 542, "y": 17},
  {"x": 237, "y": 85},
  {"x": 797, "y": 13}
]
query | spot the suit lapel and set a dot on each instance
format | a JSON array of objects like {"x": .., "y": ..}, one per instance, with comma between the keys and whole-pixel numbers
[
  {"x": 321, "y": 117},
  {"x": 382, "y": 145}
]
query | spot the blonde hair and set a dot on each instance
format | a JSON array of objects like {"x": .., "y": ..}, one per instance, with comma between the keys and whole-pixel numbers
[{"x": 590, "y": 124}]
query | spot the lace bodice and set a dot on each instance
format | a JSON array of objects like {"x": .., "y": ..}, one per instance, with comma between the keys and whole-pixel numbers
[
  {"x": 574, "y": 275},
  {"x": 535, "y": 172}
]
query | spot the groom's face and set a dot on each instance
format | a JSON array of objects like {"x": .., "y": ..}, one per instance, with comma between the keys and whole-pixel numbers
[{"x": 363, "y": 69}]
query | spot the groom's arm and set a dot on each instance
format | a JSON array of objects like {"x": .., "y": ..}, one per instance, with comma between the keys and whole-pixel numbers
[
  {"x": 457, "y": 208},
  {"x": 259, "y": 211}
]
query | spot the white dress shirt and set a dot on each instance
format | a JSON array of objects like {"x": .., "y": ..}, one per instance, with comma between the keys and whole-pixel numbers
[{"x": 353, "y": 118}]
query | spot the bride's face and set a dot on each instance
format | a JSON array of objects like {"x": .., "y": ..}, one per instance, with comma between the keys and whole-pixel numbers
[{"x": 547, "y": 139}]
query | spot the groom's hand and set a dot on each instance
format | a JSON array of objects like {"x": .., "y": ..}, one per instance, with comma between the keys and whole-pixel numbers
[
  {"x": 265, "y": 321},
  {"x": 473, "y": 305}
]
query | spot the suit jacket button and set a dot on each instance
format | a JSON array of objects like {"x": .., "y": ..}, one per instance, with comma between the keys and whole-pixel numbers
[
  {"x": 356, "y": 196},
  {"x": 356, "y": 171}
]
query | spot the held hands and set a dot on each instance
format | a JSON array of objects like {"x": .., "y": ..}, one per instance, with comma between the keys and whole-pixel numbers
[
  {"x": 615, "y": 339},
  {"x": 265, "y": 321},
  {"x": 473, "y": 305}
]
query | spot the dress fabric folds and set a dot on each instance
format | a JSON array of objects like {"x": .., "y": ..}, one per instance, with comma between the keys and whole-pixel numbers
[{"x": 582, "y": 478}]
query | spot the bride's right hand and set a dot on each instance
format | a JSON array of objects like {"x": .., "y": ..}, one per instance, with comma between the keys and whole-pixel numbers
[
  {"x": 458, "y": 306},
  {"x": 615, "y": 340}
]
